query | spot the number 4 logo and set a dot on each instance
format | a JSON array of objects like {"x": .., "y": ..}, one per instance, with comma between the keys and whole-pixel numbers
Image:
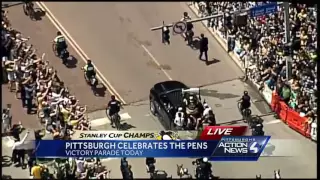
[{"x": 254, "y": 147}]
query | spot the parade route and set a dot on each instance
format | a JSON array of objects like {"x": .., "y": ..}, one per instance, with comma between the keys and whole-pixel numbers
[{"x": 131, "y": 59}]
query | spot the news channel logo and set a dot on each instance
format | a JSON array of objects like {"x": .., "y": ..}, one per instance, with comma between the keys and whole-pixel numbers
[
  {"x": 246, "y": 146},
  {"x": 167, "y": 135}
]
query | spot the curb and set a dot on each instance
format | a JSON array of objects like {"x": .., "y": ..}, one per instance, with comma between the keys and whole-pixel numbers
[{"x": 223, "y": 44}]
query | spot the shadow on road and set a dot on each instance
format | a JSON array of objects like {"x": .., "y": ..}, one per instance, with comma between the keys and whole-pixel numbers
[
  {"x": 38, "y": 14},
  {"x": 6, "y": 161},
  {"x": 126, "y": 126},
  {"x": 195, "y": 43},
  {"x": 100, "y": 90},
  {"x": 72, "y": 62},
  {"x": 213, "y": 61}
]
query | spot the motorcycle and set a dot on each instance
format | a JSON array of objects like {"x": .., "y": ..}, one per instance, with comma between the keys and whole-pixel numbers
[
  {"x": 199, "y": 174},
  {"x": 189, "y": 37},
  {"x": 246, "y": 113},
  {"x": 93, "y": 82},
  {"x": 257, "y": 130},
  {"x": 64, "y": 54},
  {"x": 115, "y": 119},
  {"x": 28, "y": 10}
]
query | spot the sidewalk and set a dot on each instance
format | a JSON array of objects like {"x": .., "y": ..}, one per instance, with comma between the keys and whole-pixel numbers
[{"x": 293, "y": 119}]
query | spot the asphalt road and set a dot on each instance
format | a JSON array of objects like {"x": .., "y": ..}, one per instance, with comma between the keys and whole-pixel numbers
[
  {"x": 222, "y": 97},
  {"x": 72, "y": 76},
  {"x": 117, "y": 38}
]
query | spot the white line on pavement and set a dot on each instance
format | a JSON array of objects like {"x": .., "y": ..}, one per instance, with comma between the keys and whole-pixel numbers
[
  {"x": 77, "y": 48},
  {"x": 125, "y": 116},
  {"x": 99, "y": 122},
  {"x": 102, "y": 121},
  {"x": 276, "y": 121},
  {"x": 155, "y": 61}
]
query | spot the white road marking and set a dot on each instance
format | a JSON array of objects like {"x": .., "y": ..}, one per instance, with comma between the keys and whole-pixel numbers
[
  {"x": 125, "y": 116},
  {"x": 100, "y": 122},
  {"x": 106, "y": 120},
  {"x": 155, "y": 61},
  {"x": 276, "y": 121},
  {"x": 8, "y": 141},
  {"x": 77, "y": 48}
]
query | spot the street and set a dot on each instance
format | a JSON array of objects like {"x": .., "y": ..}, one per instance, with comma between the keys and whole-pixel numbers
[{"x": 117, "y": 38}]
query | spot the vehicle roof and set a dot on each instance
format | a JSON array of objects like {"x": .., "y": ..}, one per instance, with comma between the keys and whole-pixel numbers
[
  {"x": 172, "y": 90},
  {"x": 167, "y": 86}
]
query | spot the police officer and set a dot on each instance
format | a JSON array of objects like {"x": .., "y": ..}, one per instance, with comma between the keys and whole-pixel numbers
[
  {"x": 203, "y": 47},
  {"x": 189, "y": 33},
  {"x": 125, "y": 169},
  {"x": 166, "y": 35},
  {"x": 245, "y": 101},
  {"x": 257, "y": 129},
  {"x": 150, "y": 161},
  {"x": 60, "y": 43},
  {"x": 186, "y": 174},
  {"x": 89, "y": 70},
  {"x": 123, "y": 163},
  {"x": 113, "y": 107},
  {"x": 203, "y": 169}
]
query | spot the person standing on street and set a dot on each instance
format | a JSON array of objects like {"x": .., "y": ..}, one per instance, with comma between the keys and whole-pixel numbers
[
  {"x": 18, "y": 151},
  {"x": 203, "y": 47},
  {"x": 29, "y": 93}
]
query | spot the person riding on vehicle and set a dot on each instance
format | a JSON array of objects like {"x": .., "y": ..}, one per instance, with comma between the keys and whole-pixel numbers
[
  {"x": 179, "y": 118},
  {"x": 207, "y": 111},
  {"x": 123, "y": 163},
  {"x": 186, "y": 174},
  {"x": 113, "y": 107},
  {"x": 60, "y": 43},
  {"x": 257, "y": 129},
  {"x": 208, "y": 116},
  {"x": 189, "y": 33},
  {"x": 150, "y": 161},
  {"x": 245, "y": 101},
  {"x": 186, "y": 17},
  {"x": 89, "y": 70},
  {"x": 29, "y": 5},
  {"x": 206, "y": 167},
  {"x": 192, "y": 106}
]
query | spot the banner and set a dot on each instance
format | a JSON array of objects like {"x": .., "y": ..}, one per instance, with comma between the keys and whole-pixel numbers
[{"x": 229, "y": 148}]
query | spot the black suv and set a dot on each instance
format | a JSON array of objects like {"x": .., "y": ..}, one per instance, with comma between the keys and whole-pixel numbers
[{"x": 165, "y": 99}]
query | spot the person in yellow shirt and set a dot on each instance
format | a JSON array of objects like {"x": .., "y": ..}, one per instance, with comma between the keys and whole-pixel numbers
[{"x": 36, "y": 171}]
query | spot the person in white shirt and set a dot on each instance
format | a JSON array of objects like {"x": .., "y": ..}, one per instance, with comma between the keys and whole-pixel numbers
[
  {"x": 186, "y": 17},
  {"x": 208, "y": 116},
  {"x": 18, "y": 150},
  {"x": 314, "y": 130},
  {"x": 206, "y": 110},
  {"x": 80, "y": 163},
  {"x": 179, "y": 118}
]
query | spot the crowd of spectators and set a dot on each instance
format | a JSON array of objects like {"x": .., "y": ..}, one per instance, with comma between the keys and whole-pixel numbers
[
  {"x": 36, "y": 84},
  {"x": 261, "y": 43}
]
